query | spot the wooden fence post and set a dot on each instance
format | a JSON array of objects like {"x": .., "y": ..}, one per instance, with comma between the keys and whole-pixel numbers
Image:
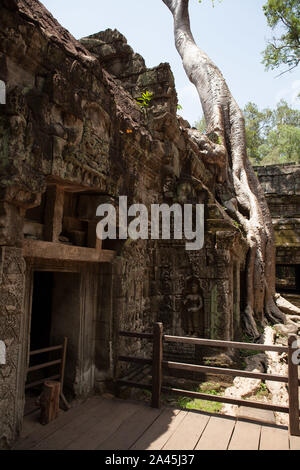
[
  {"x": 49, "y": 401},
  {"x": 293, "y": 386},
  {"x": 157, "y": 357},
  {"x": 62, "y": 374}
]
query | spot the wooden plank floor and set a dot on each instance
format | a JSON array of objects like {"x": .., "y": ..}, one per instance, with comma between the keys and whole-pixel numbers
[{"x": 112, "y": 424}]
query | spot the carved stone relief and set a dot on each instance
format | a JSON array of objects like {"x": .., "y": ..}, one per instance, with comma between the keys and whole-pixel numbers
[{"x": 192, "y": 314}]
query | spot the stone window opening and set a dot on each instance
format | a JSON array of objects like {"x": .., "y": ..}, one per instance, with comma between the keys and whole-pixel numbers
[
  {"x": 288, "y": 278},
  {"x": 66, "y": 216}
]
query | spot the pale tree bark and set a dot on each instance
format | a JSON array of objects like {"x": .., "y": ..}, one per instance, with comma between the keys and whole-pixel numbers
[{"x": 237, "y": 186}]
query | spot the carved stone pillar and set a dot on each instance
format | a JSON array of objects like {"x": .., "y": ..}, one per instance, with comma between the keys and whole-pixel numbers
[
  {"x": 11, "y": 224},
  {"x": 13, "y": 327},
  {"x": 12, "y": 374}
]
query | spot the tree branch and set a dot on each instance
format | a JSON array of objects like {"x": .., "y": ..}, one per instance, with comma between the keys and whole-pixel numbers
[{"x": 294, "y": 66}]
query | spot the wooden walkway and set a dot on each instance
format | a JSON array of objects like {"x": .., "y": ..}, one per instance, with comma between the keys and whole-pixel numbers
[{"x": 113, "y": 424}]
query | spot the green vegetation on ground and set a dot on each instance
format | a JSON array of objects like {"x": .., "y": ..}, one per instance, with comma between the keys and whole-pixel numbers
[{"x": 210, "y": 388}]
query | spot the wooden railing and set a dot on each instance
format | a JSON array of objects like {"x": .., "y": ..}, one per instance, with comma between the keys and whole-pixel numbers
[
  {"x": 61, "y": 362},
  {"x": 158, "y": 365}
]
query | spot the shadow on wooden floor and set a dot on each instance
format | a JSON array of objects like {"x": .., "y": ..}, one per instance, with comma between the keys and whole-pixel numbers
[{"x": 112, "y": 424}]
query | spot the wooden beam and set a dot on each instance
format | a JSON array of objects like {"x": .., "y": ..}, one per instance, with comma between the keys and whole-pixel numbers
[
  {"x": 62, "y": 252},
  {"x": 40, "y": 382},
  {"x": 44, "y": 365},
  {"x": 222, "y": 399},
  {"x": 41, "y": 351},
  {"x": 53, "y": 213},
  {"x": 224, "y": 344},
  {"x": 222, "y": 371},
  {"x": 133, "y": 334},
  {"x": 93, "y": 240}
]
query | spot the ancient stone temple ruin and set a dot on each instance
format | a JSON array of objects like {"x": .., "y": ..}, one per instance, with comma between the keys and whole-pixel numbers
[
  {"x": 281, "y": 184},
  {"x": 72, "y": 136}
]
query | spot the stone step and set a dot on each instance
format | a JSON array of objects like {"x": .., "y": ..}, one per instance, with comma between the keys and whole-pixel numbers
[{"x": 265, "y": 416}]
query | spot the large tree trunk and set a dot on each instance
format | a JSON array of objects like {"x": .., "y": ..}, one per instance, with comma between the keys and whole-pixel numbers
[{"x": 237, "y": 185}]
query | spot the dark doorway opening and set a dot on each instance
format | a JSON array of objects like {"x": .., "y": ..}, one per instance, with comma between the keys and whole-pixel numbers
[
  {"x": 55, "y": 314},
  {"x": 288, "y": 278},
  {"x": 243, "y": 290},
  {"x": 40, "y": 334},
  {"x": 41, "y": 313},
  {"x": 297, "y": 278}
]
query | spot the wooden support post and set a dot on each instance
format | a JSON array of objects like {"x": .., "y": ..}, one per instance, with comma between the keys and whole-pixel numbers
[
  {"x": 53, "y": 213},
  {"x": 93, "y": 240},
  {"x": 49, "y": 402},
  {"x": 157, "y": 364},
  {"x": 293, "y": 386},
  {"x": 62, "y": 374},
  {"x": 63, "y": 362}
]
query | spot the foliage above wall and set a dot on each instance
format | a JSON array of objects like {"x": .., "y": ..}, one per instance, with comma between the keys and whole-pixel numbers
[{"x": 273, "y": 135}]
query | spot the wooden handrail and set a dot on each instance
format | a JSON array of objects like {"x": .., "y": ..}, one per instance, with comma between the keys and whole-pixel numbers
[
  {"x": 41, "y": 351},
  {"x": 40, "y": 382},
  {"x": 208, "y": 369},
  {"x": 221, "y": 370},
  {"x": 133, "y": 334},
  {"x": 225, "y": 344},
  {"x": 44, "y": 365},
  {"x": 208, "y": 342},
  {"x": 221, "y": 399},
  {"x": 158, "y": 364}
]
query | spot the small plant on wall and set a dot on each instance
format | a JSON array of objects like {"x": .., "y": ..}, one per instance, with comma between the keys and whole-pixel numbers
[{"x": 145, "y": 99}]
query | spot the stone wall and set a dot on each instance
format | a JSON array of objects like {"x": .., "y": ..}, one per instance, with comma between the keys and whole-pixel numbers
[
  {"x": 71, "y": 135},
  {"x": 281, "y": 184}
]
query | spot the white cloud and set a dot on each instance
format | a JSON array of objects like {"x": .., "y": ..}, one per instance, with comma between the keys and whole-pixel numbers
[
  {"x": 290, "y": 94},
  {"x": 188, "y": 92}
]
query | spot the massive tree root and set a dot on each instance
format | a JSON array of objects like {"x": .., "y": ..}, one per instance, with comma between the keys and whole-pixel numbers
[{"x": 237, "y": 186}]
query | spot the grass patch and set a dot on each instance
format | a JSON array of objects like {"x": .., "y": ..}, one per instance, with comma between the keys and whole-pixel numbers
[
  {"x": 262, "y": 391},
  {"x": 210, "y": 388}
]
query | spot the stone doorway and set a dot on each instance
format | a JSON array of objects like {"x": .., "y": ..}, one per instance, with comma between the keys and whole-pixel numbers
[
  {"x": 41, "y": 320},
  {"x": 61, "y": 301},
  {"x": 55, "y": 314}
]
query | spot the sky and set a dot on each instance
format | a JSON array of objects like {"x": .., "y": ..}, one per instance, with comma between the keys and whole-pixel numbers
[{"x": 233, "y": 34}]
